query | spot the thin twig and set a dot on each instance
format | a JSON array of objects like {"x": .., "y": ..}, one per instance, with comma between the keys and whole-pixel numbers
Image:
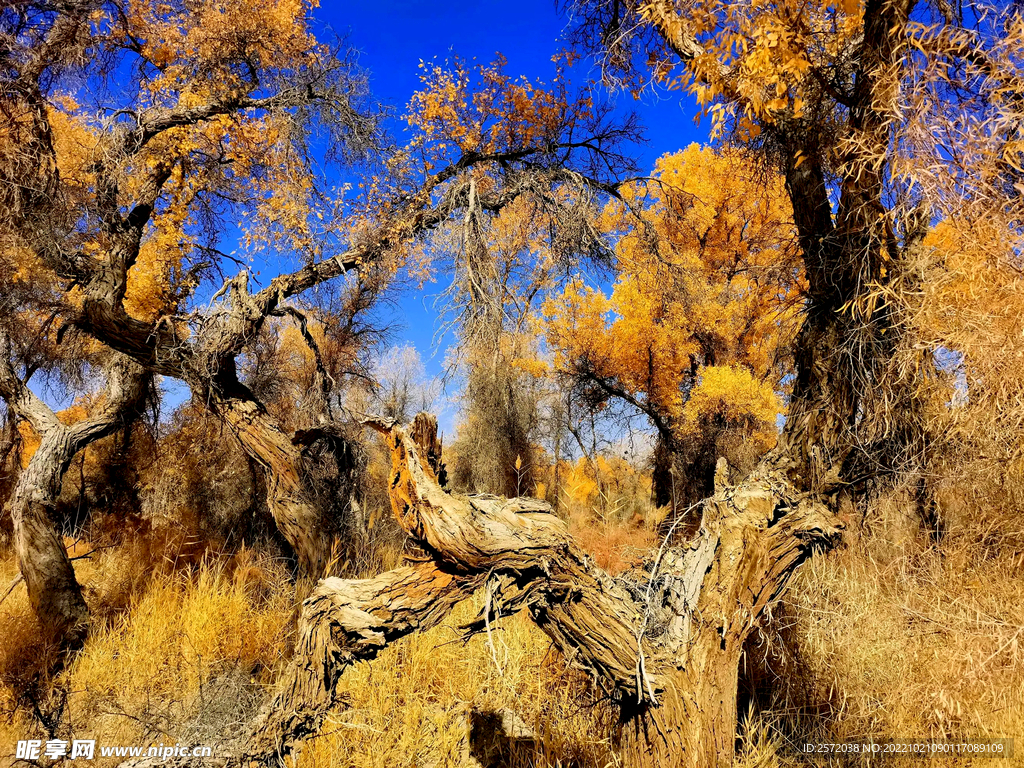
[
  {"x": 487, "y": 625},
  {"x": 17, "y": 580}
]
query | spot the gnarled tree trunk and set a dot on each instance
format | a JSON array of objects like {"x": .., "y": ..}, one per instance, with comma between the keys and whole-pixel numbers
[
  {"x": 297, "y": 516},
  {"x": 664, "y": 642},
  {"x": 53, "y": 591}
]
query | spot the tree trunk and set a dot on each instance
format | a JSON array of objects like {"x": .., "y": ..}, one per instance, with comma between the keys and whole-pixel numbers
[
  {"x": 695, "y": 722},
  {"x": 424, "y": 434},
  {"x": 713, "y": 593},
  {"x": 663, "y": 475},
  {"x": 343, "y": 622},
  {"x": 664, "y": 642},
  {"x": 53, "y": 591},
  {"x": 297, "y": 516}
]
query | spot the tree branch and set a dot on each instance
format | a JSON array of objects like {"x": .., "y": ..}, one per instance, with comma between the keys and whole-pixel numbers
[{"x": 20, "y": 399}]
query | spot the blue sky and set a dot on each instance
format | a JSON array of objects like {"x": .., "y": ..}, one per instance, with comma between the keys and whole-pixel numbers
[{"x": 393, "y": 36}]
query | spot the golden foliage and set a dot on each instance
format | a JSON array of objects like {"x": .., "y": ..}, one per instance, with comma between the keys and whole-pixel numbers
[
  {"x": 732, "y": 393},
  {"x": 463, "y": 108},
  {"x": 244, "y": 162},
  {"x": 182, "y": 40},
  {"x": 965, "y": 305},
  {"x": 754, "y": 59},
  {"x": 698, "y": 323}
]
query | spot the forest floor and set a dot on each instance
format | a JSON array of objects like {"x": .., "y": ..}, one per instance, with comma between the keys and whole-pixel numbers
[{"x": 888, "y": 637}]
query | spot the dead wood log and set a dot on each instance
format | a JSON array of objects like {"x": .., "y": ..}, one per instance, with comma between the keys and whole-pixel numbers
[{"x": 664, "y": 643}]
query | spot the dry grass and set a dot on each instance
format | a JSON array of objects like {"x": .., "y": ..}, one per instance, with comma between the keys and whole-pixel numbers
[
  {"x": 412, "y": 706},
  {"x": 615, "y": 523},
  {"x": 894, "y": 638},
  {"x": 192, "y": 650},
  {"x": 194, "y": 654},
  {"x": 614, "y": 547}
]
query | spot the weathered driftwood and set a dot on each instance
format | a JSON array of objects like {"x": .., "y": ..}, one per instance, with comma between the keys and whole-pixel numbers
[{"x": 666, "y": 644}]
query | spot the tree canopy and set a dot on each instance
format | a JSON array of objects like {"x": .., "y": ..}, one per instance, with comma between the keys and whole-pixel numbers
[{"x": 696, "y": 332}]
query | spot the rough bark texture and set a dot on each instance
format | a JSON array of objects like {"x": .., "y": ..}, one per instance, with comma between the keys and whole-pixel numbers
[
  {"x": 424, "y": 434},
  {"x": 297, "y": 516},
  {"x": 839, "y": 407},
  {"x": 207, "y": 361},
  {"x": 707, "y": 597},
  {"x": 664, "y": 643},
  {"x": 662, "y": 475},
  {"x": 343, "y": 622},
  {"x": 53, "y": 591}
]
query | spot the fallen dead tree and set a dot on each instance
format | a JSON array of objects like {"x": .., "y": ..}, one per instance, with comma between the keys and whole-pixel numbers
[{"x": 667, "y": 652}]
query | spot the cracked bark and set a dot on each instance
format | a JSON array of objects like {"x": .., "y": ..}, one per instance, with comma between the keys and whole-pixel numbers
[
  {"x": 297, "y": 516},
  {"x": 666, "y": 645},
  {"x": 54, "y": 593}
]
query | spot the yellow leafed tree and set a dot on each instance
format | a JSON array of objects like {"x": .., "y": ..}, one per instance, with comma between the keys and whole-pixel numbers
[{"x": 695, "y": 332}]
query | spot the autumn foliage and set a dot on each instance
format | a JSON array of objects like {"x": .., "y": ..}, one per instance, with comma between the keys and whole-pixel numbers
[
  {"x": 788, "y": 358},
  {"x": 696, "y": 329}
]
